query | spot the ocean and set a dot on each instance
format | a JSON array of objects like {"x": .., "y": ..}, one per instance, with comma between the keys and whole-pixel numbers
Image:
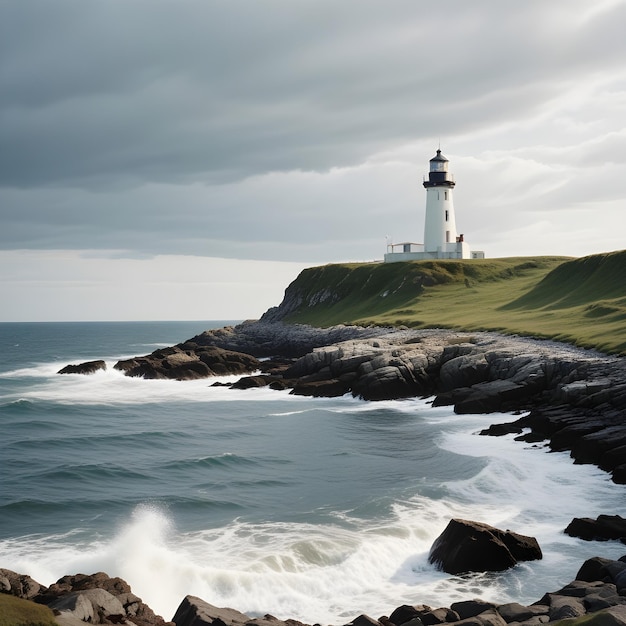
[{"x": 316, "y": 509}]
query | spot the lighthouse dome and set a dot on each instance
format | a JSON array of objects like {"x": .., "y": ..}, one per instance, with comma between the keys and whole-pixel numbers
[{"x": 438, "y": 157}]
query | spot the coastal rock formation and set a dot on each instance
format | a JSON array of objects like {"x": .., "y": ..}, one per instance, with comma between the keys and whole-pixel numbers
[
  {"x": 597, "y": 597},
  {"x": 466, "y": 546},
  {"x": 266, "y": 339},
  {"x": 576, "y": 399},
  {"x": 95, "y": 599},
  {"x": 603, "y": 528},
  {"x": 88, "y": 367},
  {"x": 188, "y": 363}
]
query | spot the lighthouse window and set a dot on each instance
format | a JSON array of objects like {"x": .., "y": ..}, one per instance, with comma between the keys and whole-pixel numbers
[
  {"x": 445, "y": 195},
  {"x": 446, "y": 215}
]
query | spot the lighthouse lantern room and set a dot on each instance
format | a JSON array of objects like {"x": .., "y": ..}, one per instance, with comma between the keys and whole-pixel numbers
[{"x": 441, "y": 240}]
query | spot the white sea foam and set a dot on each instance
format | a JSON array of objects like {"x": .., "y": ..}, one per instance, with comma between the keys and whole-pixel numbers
[
  {"x": 331, "y": 572},
  {"x": 111, "y": 386}
]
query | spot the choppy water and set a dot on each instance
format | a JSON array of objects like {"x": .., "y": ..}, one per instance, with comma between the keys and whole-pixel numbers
[{"x": 315, "y": 509}]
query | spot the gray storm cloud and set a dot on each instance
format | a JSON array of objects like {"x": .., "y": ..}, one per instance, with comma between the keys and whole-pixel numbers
[{"x": 217, "y": 127}]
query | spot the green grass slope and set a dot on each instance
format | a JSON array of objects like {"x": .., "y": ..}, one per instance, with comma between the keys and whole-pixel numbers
[
  {"x": 580, "y": 301},
  {"x": 18, "y": 612}
]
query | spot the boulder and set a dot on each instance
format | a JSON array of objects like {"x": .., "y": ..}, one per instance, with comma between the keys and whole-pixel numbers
[
  {"x": 515, "y": 612},
  {"x": 564, "y": 607},
  {"x": 89, "y": 605},
  {"x": 88, "y": 367},
  {"x": 471, "y": 608},
  {"x": 389, "y": 382},
  {"x": 330, "y": 388},
  {"x": 463, "y": 371},
  {"x": 19, "y": 585},
  {"x": 466, "y": 546},
  {"x": 603, "y": 528},
  {"x": 97, "y": 597},
  {"x": 405, "y": 613},
  {"x": 250, "y": 382},
  {"x": 194, "y": 611}
]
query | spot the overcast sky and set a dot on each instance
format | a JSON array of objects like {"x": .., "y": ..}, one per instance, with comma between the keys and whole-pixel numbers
[{"x": 185, "y": 159}]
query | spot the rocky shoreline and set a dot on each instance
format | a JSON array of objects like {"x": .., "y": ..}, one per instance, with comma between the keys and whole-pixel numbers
[
  {"x": 572, "y": 399},
  {"x": 596, "y": 597}
]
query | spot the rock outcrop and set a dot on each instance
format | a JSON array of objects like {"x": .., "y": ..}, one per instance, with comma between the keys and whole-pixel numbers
[
  {"x": 603, "y": 528},
  {"x": 88, "y": 367},
  {"x": 79, "y": 599},
  {"x": 466, "y": 546},
  {"x": 188, "y": 362},
  {"x": 576, "y": 399}
]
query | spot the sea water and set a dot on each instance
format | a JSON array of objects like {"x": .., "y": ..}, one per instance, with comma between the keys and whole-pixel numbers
[{"x": 316, "y": 509}]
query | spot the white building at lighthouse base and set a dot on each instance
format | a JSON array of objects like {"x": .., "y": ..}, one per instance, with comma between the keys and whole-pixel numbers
[
  {"x": 440, "y": 236},
  {"x": 409, "y": 251}
]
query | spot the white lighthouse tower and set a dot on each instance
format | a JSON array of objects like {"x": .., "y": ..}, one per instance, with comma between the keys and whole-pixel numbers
[
  {"x": 441, "y": 240},
  {"x": 440, "y": 224}
]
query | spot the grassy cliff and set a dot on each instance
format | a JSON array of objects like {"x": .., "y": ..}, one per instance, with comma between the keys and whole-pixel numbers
[{"x": 580, "y": 301}]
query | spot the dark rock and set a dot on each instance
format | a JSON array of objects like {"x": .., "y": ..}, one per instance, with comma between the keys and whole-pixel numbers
[
  {"x": 593, "y": 569},
  {"x": 463, "y": 371},
  {"x": 194, "y": 611},
  {"x": 563, "y": 607},
  {"x": 466, "y": 546},
  {"x": 388, "y": 382},
  {"x": 250, "y": 382},
  {"x": 320, "y": 388},
  {"x": 515, "y": 612},
  {"x": 365, "y": 620},
  {"x": 619, "y": 474},
  {"x": 188, "y": 364},
  {"x": 603, "y": 528},
  {"x": 471, "y": 608},
  {"x": 406, "y": 613},
  {"x": 490, "y": 397},
  {"x": 497, "y": 430},
  {"x": 439, "y": 616},
  {"x": 89, "y": 367}
]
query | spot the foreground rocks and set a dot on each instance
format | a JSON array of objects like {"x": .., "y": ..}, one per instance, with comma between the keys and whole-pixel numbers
[
  {"x": 74, "y": 600},
  {"x": 466, "y": 546},
  {"x": 598, "y": 594}
]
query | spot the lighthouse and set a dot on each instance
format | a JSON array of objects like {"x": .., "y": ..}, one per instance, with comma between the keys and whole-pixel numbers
[
  {"x": 441, "y": 240},
  {"x": 440, "y": 223}
]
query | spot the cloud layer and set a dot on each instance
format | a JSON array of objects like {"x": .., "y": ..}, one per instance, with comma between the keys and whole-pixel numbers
[{"x": 299, "y": 131}]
